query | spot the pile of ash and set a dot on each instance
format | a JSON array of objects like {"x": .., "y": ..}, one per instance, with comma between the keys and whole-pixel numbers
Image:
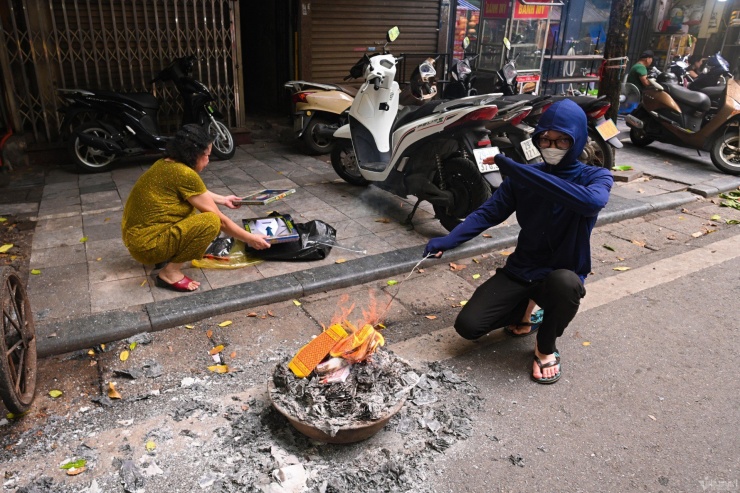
[{"x": 372, "y": 388}]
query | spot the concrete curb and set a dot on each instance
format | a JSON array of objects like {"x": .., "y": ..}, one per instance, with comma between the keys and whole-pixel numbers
[{"x": 89, "y": 331}]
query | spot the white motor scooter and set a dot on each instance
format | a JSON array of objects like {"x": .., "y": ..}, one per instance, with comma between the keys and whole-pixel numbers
[{"x": 434, "y": 151}]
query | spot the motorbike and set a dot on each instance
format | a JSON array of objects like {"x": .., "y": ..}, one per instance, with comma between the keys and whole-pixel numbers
[
  {"x": 422, "y": 86},
  {"x": 318, "y": 111},
  {"x": 426, "y": 151},
  {"x": 115, "y": 125},
  {"x": 461, "y": 76},
  {"x": 672, "y": 114}
]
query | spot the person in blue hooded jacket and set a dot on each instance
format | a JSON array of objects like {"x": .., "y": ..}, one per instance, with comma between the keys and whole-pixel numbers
[{"x": 556, "y": 204}]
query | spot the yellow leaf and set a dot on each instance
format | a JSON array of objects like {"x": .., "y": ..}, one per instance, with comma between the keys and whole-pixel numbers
[
  {"x": 55, "y": 393},
  {"x": 586, "y": 343},
  {"x": 380, "y": 326},
  {"x": 124, "y": 355},
  {"x": 463, "y": 302},
  {"x": 716, "y": 217},
  {"x": 143, "y": 283},
  {"x": 476, "y": 261},
  {"x": 6, "y": 247},
  {"x": 91, "y": 352},
  {"x": 3, "y": 219},
  {"x": 112, "y": 392},
  {"x": 132, "y": 346},
  {"x": 83, "y": 239},
  {"x": 431, "y": 317},
  {"x": 35, "y": 272},
  {"x": 216, "y": 349},
  {"x": 189, "y": 326},
  {"x": 340, "y": 261},
  {"x": 621, "y": 269},
  {"x": 150, "y": 445},
  {"x": 392, "y": 282},
  {"x": 296, "y": 303},
  {"x": 219, "y": 368},
  {"x": 476, "y": 276},
  {"x": 225, "y": 323},
  {"x": 505, "y": 253},
  {"x": 99, "y": 259},
  {"x": 209, "y": 333}
]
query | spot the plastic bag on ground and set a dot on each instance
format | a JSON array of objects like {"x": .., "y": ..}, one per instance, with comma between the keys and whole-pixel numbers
[{"x": 315, "y": 243}]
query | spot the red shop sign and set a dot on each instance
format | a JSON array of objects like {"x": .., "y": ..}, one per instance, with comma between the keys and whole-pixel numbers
[
  {"x": 527, "y": 78},
  {"x": 522, "y": 11},
  {"x": 495, "y": 9}
]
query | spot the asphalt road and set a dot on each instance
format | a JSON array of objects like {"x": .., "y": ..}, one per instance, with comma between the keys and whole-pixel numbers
[{"x": 647, "y": 402}]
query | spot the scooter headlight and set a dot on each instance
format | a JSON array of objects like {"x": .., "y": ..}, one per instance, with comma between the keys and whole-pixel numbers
[{"x": 509, "y": 73}]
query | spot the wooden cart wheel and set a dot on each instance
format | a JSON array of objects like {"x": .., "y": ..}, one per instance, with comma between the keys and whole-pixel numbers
[{"x": 18, "y": 345}]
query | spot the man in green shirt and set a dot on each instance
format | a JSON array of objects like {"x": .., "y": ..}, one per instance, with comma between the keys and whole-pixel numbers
[{"x": 638, "y": 72}]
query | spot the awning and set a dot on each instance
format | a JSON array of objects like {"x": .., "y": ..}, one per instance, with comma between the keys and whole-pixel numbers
[{"x": 463, "y": 5}]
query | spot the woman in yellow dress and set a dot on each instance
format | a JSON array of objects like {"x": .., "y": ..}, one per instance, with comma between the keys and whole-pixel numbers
[{"x": 170, "y": 217}]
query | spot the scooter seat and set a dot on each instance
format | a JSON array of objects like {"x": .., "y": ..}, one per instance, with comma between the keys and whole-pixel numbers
[
  {"x": 695, "y": 99},
  {"x": 349, "y": 90},
  {"x": 142, "y": 99},
  {"x": 411, "y": 113},
  {"x": 714, "y": 92}
]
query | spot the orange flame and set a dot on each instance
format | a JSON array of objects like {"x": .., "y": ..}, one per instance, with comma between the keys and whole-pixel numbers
[{"x": 362, "y": 342}]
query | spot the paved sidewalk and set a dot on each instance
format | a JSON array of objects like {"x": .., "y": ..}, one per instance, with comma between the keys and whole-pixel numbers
[{"x": 90, "y": 290}]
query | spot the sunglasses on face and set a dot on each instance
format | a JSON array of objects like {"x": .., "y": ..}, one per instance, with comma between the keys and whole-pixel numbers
[{"x": 562, "y": 143}]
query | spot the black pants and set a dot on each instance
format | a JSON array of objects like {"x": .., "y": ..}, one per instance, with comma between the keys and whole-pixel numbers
[{"x": 501, "y": 301}]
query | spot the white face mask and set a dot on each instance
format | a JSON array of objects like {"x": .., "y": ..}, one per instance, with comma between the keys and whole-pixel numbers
[{"x": 552, "y": 155}]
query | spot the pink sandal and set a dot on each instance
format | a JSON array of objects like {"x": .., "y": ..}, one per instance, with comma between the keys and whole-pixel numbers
[{"x": 181, "y": 285}]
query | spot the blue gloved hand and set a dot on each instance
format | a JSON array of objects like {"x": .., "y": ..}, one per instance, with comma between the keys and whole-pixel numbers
[{"x": 441, "y": 244}]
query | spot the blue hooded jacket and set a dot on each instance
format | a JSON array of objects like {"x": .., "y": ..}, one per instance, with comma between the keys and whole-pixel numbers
[{"x": 556, "y": 205}]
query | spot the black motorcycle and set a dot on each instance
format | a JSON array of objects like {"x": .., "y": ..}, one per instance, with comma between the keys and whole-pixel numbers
[
  {"x": 115, "y": 125},
  {"x": 461, "y": 77}
]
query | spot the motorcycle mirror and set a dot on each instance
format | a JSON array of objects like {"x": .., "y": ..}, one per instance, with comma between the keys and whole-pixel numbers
[
  {"x": 393, "y": 34},
  {"x": 466, "y": 43},
  {"x": 507, "y": 43}
]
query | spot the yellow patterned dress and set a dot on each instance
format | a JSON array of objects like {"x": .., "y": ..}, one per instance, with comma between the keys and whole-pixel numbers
[{"x": 159, "y": 224}]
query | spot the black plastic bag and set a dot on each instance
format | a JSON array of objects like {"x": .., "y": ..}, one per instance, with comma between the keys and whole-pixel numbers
[{"x": 316, "y": 238}]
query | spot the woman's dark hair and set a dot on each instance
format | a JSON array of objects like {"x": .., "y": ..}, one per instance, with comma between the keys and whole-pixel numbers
[
  {"x": 693, "y": 59},
  {"x": 189, "y": 144}
]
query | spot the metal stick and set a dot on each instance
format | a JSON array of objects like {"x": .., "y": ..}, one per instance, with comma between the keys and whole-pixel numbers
[
  {"x": 334, "y": 245},
  {"x": 402, "y": 281}
]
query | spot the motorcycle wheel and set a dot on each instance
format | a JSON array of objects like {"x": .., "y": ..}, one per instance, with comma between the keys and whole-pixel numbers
[
  {"x": 725, "y": 152},
  {"x": 468, "y": 187},
  {"x": 640, "y": 138},
  {"x": 597, "y": 151},
  {"x": 87, "y": 159},
  {"x": 223, "y": 142},
  {"x": 317, "y": 144},
  {"x": 344, "y": 162}
]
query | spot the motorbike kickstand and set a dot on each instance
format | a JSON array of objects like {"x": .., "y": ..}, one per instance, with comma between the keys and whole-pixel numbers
[{"x": 407, "y": 222}]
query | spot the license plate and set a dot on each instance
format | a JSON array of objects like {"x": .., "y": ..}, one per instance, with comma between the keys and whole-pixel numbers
[
  {"x": 530, "y": 151},
  {"x": 607, "y": 129},
  {"x": 483, "y": 153},
  {"x": 298, "y": 123}
]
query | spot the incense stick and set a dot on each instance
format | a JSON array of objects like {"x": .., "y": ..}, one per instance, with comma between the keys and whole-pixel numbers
[{"x": 334, "y": 245}]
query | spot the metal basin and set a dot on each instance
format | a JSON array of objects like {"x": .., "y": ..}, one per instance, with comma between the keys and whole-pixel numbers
[{"x": 347, "y": 434}]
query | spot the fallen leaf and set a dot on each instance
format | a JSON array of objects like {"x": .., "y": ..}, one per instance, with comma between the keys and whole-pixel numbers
[
  {"x": 392, "y": 282},
  {"x": 586, "y": 343},
  {"x": 716, "y": 217},
  {"x": 75, "y": 471},
  {"x": 652, "y": 417},
  {"x": 641, "y": 244},
  {"x": 35, "y": 272},
  {"x": 251, "y": 314},
  {"x": 124, "y": 355},
  {"x": 106, "y": 219},
  {"x": 622, "y": 168},
  {"x": 209, "y": 333},
  {"x": 93, "y": 362},
  {"x": 340, "y": 261},
  {"x": 431, "y": 317},
  {"x": 486, "y": 235},
  {"x": 621, "y": 259},
  {"x": 112, "y": 392},
  {"x": 216, "y": 349},
  {"x": 463, "y": 302},
  {"x": 150, "y": 445},
  {"x": 219, "y": 368},
  {"x": 383, "y": 220},
  {"x": 132, "y": 346},
  {"x": 296, "y": 303},
  {"x": 6, "y": 247},
  {"x": 99, "y": 259},
  {"x": 189, "y": 326},
  {"x": 269, "y": 312},
  {"x": 421, "y": 271},
  {"x": 671, "y": 237},
  {"x": 74, "y": 464},
  {"x": 476, "y": 261},
  {"x": 621, "y": 269},
  {"x": 611, "y": 249},
  {"x": 16, "y": 416},
  {"x": 732, "y": 221},
  {"x": 697, "y": 234},
  {"x": 380, "y": 326},
  {"x": 456, "y": 267},
  {"x": 225, "y": 323},
  {"x": 505, "y": 253},
  {"x": 55, "y": 393},
  {"x": 143, "y": 283},
  {"x": 91, "y": 352},
  {"x": 233, "y": 354},
  {"x": 83, "y": 239},
  {"x": 3, "y": 219}
]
